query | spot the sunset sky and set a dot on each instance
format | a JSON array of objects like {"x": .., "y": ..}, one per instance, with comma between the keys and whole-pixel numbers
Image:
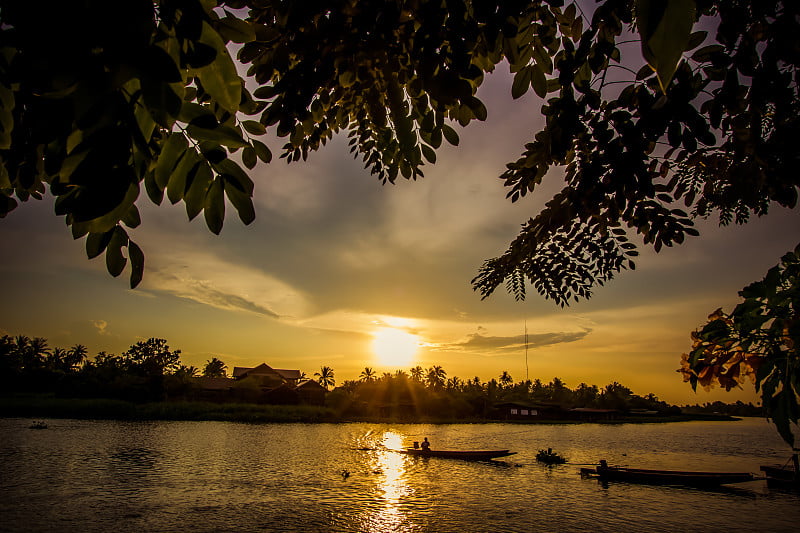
[{"x": 337, "y": 269}]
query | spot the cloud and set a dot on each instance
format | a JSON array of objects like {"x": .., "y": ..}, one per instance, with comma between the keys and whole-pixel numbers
[
  {"x": 496, "y": 345},
  {"x": 101, "y": 326},
  {"x": 211, "y": 280}
]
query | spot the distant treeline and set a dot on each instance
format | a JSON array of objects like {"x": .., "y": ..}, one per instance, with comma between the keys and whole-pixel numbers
[
  {"x": 430, "y": 393},
  {"x": 150, "y": 372},
  {"x": 734, "y": 409}
]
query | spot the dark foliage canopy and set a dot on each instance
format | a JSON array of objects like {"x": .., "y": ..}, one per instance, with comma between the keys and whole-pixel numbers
[{"x": 100, "y": 101}]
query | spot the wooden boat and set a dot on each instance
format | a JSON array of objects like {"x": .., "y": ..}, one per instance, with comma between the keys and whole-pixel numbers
[
  {"x": 550, "y": 457},
  {"x": 666, "y": 477},
  {"x": 468, "y": 455},
  {"x": 784, "y": 477}
]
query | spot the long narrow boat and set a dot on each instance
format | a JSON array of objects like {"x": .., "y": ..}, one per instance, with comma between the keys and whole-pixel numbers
[
  {"x": 781, "y": 476},
  {"x": 468, "y": 455},
  {"x": 666, "y": 477}
]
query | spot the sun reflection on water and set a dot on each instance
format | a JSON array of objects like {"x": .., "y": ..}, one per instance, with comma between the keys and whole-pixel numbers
[{"x": 393, "y": 490}]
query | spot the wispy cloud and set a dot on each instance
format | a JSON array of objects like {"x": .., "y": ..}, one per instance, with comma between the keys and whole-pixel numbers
[
  {"x": 498, "y": 345},
  {"x": 213, "y": 281}
]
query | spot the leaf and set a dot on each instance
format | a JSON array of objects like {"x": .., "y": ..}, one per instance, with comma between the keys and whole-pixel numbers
[
  {"x": 197, "y": 186},
  {"x": 254, "y": 127},
  {"x": 696, "y": 39},
  {"x": 137, "y": 263},
  {"x": 214, "y": 211},
  {"x": 450, "y": 134},
  {"x": 477, "y": 108},
  {"x": 224, "y": 135},
  {"x": 236, "y": 30},
  {"x": 429, "y": 153},
  {"x": 175, "y": 145},
  {"x": 107, "y": 221},
  {"x": 705, "y": 53},
  {"x": 219, "y": 78},
  {"x": 522, "y": 81},
  {"x": 177, "y": 181},
  {"x": 665, "y": 28},
  {"x": 538, "y": 81},
  {"x": 115, "y": 261},
  {"x": 230, "y": 169},
  {"x": 262, "y": 151},
  {"x": 96, "y": 243},
  {"x": 249, "y": 157},
  {"x": 241, "y": 201},
  {"x": 132, "y": 218}
]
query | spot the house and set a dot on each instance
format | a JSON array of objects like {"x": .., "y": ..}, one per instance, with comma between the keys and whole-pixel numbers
[
  {"x": 310, "y": 392},
  {"x": 589, "y": 414},
  {"x": 213, "y": 389},
  {"x": 527, "y": 411},
  {"x": 267, "y": 374},
  {"x": 261, "y": 384}
]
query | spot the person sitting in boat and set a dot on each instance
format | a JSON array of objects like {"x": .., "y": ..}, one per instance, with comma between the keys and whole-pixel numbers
[{"x": 425, "y": 444}]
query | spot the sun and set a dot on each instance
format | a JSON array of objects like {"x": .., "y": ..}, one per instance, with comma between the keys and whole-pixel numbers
[{"x": 394, "y": 347}]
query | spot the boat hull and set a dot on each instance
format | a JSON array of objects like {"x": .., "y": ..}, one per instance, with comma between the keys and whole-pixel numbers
[
  {"x": 781, "y": 477},
  {"x": 467, "y": 455},
  {"x": 668, "y": 477}
]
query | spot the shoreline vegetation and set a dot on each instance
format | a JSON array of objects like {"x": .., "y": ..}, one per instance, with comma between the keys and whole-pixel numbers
[
  {"x": 149, "y": 382},
  {"x": 49, "y": 406}
]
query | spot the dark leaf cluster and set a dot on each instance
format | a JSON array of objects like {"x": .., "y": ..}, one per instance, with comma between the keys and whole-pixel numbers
[{"x": 759, "y": 340}]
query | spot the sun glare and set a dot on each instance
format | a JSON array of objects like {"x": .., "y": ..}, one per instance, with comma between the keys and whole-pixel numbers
[{"x": 394, "y": 347}]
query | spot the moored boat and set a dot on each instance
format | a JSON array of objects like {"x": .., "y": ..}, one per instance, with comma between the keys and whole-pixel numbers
[
  {"x": 469, "y": 455},
  {"x": 785, "y": 476},
  {"x": 666, "y": 477}
]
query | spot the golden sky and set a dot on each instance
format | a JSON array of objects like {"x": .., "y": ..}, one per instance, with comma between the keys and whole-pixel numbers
[{"x": 339, "y": 270}]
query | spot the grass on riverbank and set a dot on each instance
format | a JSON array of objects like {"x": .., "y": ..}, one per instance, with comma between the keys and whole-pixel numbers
[
  {"x": 49, "y": 406},
  {"x": 44, "y": 406}
]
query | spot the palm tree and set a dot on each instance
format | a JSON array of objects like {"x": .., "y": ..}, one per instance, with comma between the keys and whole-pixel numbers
[
  {"x": 215, "y": 368},
  {"x": 436, "y": 377},
  {"x": 76, "y": 356},
  {"x": 505, "y": 379},
  {"x": 454, "y": 383},
  {"x": 368, "y": 374},
  {"x": 325, "y": 377},
  {"x": 190, "y": 371},
  {"x": 417, "y": 373}
]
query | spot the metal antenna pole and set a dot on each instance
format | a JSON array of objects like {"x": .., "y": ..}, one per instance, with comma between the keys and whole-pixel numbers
[{"x": 526, "y": 351}]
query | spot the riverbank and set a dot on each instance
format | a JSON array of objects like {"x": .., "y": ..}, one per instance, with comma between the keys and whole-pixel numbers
[{"x": 48, "y": 406}]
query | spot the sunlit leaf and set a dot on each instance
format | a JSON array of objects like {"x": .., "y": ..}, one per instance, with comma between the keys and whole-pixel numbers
[
  {"x": 220, "y": 77},
  {"x": 665, "y": 28}
]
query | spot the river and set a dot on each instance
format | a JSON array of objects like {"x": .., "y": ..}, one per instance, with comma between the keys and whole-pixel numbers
[{"x": 86, "y": 476}]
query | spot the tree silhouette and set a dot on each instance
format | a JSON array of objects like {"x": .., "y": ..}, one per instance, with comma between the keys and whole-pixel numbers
[
  {"x": 758, "y": 341},
  {"x": 215, "y": 368},
  {"x": 99, "y": 106},
  {"x": 368, "y": 374},
  {"x": 708, "y": 120},
  {"x": 435, "y": 377},
  {"x": 325, "y": 377}
]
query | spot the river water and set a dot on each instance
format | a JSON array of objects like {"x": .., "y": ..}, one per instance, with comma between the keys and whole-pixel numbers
[{"x": 80, "y": 475}]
